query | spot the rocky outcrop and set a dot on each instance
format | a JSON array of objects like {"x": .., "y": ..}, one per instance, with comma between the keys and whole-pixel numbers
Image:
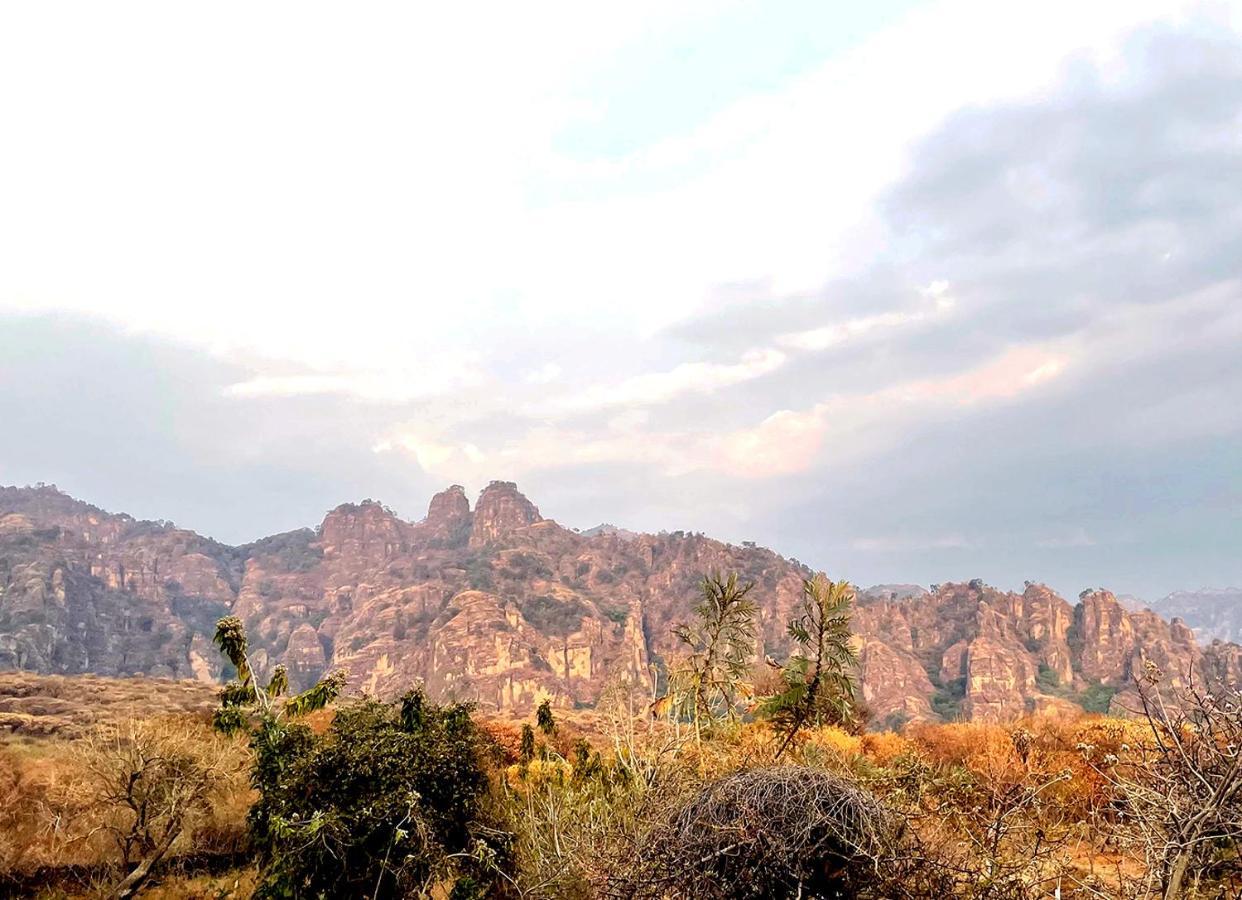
[
  {"x": 504, "y": 607},
  {"x": 501, "y": 510},
  {"x": 448, "y": 518}
]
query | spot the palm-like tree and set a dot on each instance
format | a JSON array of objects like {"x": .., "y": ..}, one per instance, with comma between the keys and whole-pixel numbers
[
  {"x": 719, "y": 649},
  {"x": 819, "y": 681}
]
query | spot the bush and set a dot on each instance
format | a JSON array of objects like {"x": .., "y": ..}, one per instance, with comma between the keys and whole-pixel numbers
[
  {"x": 1096, "y": 697},
  {"x": 552, "y": 616},
  {"x": 376, "y": 806},
  {"x": 786, "y": 831}
]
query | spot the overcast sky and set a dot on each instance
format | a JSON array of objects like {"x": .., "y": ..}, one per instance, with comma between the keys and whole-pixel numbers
[{"x": 911, "y": 291}]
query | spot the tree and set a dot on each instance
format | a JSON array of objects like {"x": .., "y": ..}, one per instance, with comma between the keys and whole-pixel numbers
[
  {"x": 151, "y": 780},
  {"x": 1182, "y": 784},
  {"x": 544, "y": 718},
  {"x": 719, "y": 648},
  {"x": 385, "y": 804},
  {"x": 242, "y": 700},
  {"x": 818, "y": 684}
]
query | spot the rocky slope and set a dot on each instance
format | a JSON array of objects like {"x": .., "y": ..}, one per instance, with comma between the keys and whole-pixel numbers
[{"x": 499, "y": 604}]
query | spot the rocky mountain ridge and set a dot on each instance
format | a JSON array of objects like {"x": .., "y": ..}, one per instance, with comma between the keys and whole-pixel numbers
[
  {"x": 1213, "y": 613},
  {"x": 499, "y": 604}
]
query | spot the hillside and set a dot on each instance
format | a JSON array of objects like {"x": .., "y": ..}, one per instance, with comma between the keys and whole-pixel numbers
[
  {"x": 1213, "y": 613},
  {"x": 499, "y": 604}
]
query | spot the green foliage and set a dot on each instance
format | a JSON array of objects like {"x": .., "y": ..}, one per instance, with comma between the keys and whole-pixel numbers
[
  {"x": 1096, "y": 697},
  {"x": 552, "y": 616},
  {"x": 896, "y": 721},
  {"x": 320, "y": 695},
  {"x": 718, "y": 648},
  {"x": 616, "y": 614},
  {"x": 1047, "y": 679},
  {"x": 818, "y": 680},
  {"x": 945, "y": 705},
  {"x": 543, "y": 717},
  {"x": 293, "y": 551},
  {"x": 243, "y": 699},
  {"x": 381, "y": 805},
  {"x": 522, "y": 566},
  {"x": 279, "y": 685},
  {"x": 527, "y": 750},
  {"x": 479, "y": 573},
  {"x": 231, "y": 639}
]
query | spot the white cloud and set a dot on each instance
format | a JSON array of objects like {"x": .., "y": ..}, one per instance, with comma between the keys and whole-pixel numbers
[
  {"x": 687, "y": 378},
  {"x": 343, "y": 189},
  {"x": 545, "y": 374},
  {"x": 827, "y": 336},
  {"x": 906, "y": 544},
  {"x": 841, "y": 428}
]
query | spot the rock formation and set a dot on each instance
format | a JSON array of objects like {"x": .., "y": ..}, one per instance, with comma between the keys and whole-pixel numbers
[{"x": 507, "y": 608}]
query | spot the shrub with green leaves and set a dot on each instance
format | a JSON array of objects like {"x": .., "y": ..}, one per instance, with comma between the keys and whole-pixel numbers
[{"x": 386, "y": 803}]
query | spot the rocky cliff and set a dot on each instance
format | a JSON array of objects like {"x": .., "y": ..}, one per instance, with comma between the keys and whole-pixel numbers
[{"x": 506, "y": 607}]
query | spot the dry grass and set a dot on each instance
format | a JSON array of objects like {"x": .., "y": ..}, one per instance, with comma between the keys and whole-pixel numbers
[
  {"x": 59, "y": 822},
  {"x": 68, "y": 706}
]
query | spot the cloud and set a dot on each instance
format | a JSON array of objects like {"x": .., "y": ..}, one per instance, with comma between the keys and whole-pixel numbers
[
  {"x": 690, "y": 377},
  {"x": 904, "y": 544},
  {"x": 877, "y": 320}
]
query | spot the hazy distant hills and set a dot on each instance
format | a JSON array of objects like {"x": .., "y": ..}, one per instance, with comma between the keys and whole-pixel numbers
[
  {"x": 496, "y": 603},
  {"x": 1213, "y": 613}
]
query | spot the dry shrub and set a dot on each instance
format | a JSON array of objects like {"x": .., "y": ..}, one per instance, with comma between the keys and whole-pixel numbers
[
  {"x": 883, "y": 747},
  {"x": 70, "y": 706},
  {"x": 982, "y": 748},
  {"x": 234, "y": 885},
  {"x": 779, "y": 831},
  {"x": 34, "y": 830},
  {"x": 60, "y": 807},
  {"x": 505, "y": 738},
  {"x": 152, "y": 788},
  {"x": 832, "y": 742}
]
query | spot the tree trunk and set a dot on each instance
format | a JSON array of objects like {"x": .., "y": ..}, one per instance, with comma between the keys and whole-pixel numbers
[
  {"x": 1177, "y": 874},
  {"x": 135, "y": 879}
]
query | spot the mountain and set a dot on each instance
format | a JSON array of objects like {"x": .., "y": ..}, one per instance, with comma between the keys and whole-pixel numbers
[
  {"x": 1213, "y": 613},
  {"x": 499, "y": 604}
]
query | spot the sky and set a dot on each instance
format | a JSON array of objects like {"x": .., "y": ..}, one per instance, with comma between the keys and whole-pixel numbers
[{"x": 910, "y": 291}]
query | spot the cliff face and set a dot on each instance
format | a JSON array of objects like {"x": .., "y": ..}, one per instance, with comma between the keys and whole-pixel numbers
[
  {"x": 503, "y": 606},
  {"x": 85, "y": 591}
]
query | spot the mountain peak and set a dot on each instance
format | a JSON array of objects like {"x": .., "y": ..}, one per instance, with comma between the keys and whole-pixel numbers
[{"x": 501, "y": 509}]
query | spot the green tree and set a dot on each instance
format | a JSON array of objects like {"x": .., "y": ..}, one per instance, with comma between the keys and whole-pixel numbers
[
  {"x": 818, "y": 683},
  {"x": 246, "y": 705},
  {"x": 718, "y": 649},
  {"x": 385, "y": 804},
  {"x": 544, "y": 719}
]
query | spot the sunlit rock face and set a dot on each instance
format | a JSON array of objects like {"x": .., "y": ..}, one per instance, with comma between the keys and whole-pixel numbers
[{"x": 499, "y": 605}]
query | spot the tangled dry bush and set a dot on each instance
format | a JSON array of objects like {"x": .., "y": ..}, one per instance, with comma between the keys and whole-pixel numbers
[{"x": 781, "y": 831}]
